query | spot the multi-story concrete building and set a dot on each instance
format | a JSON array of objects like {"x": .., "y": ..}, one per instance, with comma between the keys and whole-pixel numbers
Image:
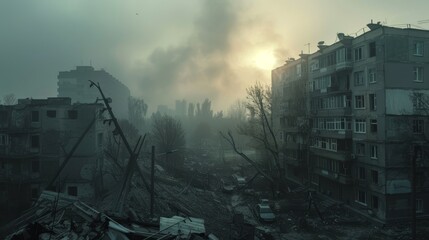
[
  {"x": 290, "y": 104},
  {"x": 369, "y": 118},
  {"x": 74, "y": 84},
  {"x": 36, "y": 135}
]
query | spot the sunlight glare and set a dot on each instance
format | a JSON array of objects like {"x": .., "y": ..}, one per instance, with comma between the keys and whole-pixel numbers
[{"x": 263, "y": 59}]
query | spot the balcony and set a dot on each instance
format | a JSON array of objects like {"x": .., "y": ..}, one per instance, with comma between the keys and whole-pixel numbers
[
  {"x": 338, "y": 155},
  {"x": 347, "y": 65},
  {"x": 346, "y": 111},
  {"x": 296, "y": 162},
  {"x": 338, "y": 134},
  {"x": 338, "y": 177}
]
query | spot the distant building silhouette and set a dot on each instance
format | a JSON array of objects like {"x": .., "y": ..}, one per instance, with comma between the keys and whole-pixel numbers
[{"x": 74, "y": 84}]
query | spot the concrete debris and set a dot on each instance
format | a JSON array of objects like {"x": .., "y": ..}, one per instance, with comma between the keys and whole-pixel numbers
[{"x": 58, "y": 216}]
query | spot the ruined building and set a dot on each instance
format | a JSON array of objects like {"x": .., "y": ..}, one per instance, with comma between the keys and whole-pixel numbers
[
  {"x": 74, "y": 84},
  {"x": 365, "y": 123},
  {"x": 36, "y": 136}
]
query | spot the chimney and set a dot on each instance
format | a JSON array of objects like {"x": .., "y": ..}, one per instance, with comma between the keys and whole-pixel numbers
[
  {"x": 321, "y": 45},
  {"x": 373, "y": 26}
]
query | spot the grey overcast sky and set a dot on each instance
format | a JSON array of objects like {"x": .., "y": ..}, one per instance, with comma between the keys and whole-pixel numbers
[{"x": 173, "y": 49}]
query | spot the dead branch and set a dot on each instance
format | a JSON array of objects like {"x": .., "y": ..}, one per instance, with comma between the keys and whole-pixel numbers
[{"x": 230, "y": 140}]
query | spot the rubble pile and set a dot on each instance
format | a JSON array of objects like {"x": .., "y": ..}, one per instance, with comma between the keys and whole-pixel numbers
[{"x": 173, "y": 197}]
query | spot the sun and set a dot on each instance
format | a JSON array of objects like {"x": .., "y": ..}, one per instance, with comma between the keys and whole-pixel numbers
[{"x": 263, "y": 59}]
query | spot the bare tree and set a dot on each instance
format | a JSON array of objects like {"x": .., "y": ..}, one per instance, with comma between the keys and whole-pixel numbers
[
  {"x": 259, "y": 128},
  {"x": 167, "y": 133},
  {"x": 137, "y": 109},
  {"x": 238, "y": 110},
  {"x": 9, "y": 99},
  {"x": 169, "y": 138}
]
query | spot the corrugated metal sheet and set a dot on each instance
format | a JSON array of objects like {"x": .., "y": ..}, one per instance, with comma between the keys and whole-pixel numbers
[{"x": 181, "y": 226}]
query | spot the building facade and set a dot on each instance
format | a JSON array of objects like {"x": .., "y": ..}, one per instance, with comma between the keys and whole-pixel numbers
[
  {"x": 368, "y": 115},
  {"x": 36, "y": 135},
  {"x": 75, "y": 85}
]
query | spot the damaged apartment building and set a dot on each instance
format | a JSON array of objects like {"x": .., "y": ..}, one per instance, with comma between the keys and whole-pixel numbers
[
  {"x": 365, "y": 122},
  {"x": 36, "y": 136}
]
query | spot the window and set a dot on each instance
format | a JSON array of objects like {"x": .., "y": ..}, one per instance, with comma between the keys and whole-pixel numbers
[
  {"x": 374, "y": 151},
  {"x": 72, "y": 114},
  {"x": 72, "y": 190},
  {"x": 418, "y": 126},
  {"x": 358, "y": 78},
  {"x": 35, "y": 141},
  {"x": 358, "y": 54},
  {"x": 360, "y": 149},
  {"x": 372, "y": 51},
  {"x": 373, "y": 123},
  {"x": 362, "y": 173},
  {"x": 362, "y": 197},
  {"x": 34, "y": 116},
  {"x": 3, "y": 139},
  {"x": 372, "y": 102},
  {"x": 360, "y": 102},
  {"x": 418, "y": 74},
  {"x": 51, "y": 113},
  {"x": 371, "y": 75},
  {"x": 418, "y": 48},
  {"x": 322, "y": 82},
  {"x": 374, "y": 202},
  {"x": 419, "y": 205},
  {"x": 360, "y": 126},
  {"x": 35, "y": 166},
  {"x": 374, "y": 176}
]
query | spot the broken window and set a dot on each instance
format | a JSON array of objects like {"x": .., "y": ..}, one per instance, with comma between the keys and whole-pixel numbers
[
  {"x": 34, "y": 116},
  {"x": 51, "y": 113},
  {"x": 72, "y": 114}
]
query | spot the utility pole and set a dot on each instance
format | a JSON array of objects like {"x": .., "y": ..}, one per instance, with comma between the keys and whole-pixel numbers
[
  {"x": 152, "y": 182},
  {"x": 308, "y": 44}
]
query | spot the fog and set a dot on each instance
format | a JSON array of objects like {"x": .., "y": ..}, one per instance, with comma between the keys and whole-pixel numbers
[{"x": 168, "y": 50}]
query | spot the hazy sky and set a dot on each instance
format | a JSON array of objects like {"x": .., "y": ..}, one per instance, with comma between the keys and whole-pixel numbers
[{"x": 172, "y": 49}]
